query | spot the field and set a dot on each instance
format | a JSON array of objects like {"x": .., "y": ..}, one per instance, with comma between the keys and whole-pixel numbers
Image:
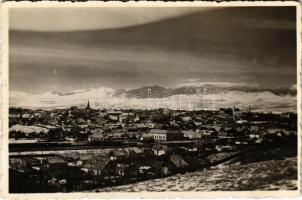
[{"x": 265, "y": 175}]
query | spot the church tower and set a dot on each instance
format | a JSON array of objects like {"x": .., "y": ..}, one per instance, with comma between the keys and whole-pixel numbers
[{"x": 88, "y": 106}]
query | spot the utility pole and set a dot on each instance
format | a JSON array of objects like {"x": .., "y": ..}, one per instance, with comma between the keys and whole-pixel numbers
[
  {"x": 173, "y": 104},
  {"x": 213, "y": 103},
  {"x": 101, "y": 97},
  {"x": 197, "y": 99},
  {"x": 203, "y": 94},
  {"x": 180, "y": 102},
  {"x": 149, "y": 100}
]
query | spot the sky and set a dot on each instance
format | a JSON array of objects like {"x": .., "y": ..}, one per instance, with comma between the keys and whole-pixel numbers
[
  {"x": 79, "y": 18},
  {"x": 122, "y": 48}
]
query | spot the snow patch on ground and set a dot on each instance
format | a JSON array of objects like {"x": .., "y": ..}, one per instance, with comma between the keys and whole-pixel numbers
[
  {"x": 28, "y": 129},
  {"x": 266, "y": 175}
]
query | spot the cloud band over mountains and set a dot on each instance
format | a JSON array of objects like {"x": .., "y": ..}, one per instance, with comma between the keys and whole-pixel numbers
[{"x": 252, "y": 45}]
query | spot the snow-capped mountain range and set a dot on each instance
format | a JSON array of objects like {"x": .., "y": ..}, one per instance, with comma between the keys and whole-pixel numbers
[{"x": 187, "y": 98}]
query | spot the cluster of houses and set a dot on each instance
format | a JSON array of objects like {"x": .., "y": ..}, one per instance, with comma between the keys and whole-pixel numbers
[
  {"x": 163, "y": 142},
  {"x": 75, "y": 171},
  {"x": 77, "y": 124}
]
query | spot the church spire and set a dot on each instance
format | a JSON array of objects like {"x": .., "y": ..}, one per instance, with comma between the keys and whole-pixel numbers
[{"x": 88, "y": 106}]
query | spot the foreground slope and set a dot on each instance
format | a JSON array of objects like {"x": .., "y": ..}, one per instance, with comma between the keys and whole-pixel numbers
[{"x": 266, "y": 175}]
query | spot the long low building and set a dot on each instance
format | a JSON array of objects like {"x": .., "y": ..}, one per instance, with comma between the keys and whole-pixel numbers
[{"x": 166, "y": 135}]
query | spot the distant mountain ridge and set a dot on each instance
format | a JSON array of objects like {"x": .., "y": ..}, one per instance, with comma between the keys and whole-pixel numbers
[
  {"x": 157, "y": 91},
  {"x": 160, "y": 97},
  {"x": 161, "y": 92}
]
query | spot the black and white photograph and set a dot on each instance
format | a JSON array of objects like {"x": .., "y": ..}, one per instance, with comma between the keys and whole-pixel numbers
[{"x": 163, "y": 98}]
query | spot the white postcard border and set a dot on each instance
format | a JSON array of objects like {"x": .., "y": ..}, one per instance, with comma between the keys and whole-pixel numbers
[{"x": 213, "y": 194}]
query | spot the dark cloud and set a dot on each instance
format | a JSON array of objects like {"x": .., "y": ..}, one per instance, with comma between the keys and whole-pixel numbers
[{"x": 222, "y": 45}]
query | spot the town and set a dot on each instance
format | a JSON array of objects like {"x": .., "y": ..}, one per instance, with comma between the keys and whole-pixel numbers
[{"x": 77, "y": 149}]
